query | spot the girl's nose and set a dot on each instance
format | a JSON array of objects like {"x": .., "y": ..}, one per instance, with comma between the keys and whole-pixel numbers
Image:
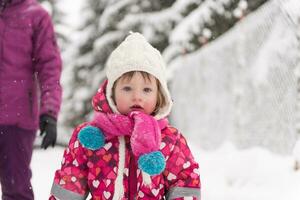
[{"x": 137, "y": 96}]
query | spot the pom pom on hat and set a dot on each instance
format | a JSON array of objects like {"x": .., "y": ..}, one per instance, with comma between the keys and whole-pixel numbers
[
  {"x": 152, "y": 163},
  {"x": 91, "y": 137}
]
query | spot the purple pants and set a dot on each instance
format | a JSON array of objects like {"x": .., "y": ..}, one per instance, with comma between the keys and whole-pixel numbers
[{"x": 16, "y": 147}]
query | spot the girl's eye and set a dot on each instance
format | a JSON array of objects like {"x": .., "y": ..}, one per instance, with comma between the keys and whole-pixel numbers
[
  {"x": 147, "y": 90},
  {"x": 126, "y": 88}
]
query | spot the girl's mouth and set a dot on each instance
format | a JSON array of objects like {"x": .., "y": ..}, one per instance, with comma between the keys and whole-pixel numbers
[{"x": 136, "y": 107}]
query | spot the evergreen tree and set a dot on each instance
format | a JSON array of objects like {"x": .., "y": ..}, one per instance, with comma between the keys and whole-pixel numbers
[{"x": 206, "y": 23}]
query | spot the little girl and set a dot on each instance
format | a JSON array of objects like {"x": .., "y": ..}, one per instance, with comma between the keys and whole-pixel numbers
[{"x": 129, "y": 151}]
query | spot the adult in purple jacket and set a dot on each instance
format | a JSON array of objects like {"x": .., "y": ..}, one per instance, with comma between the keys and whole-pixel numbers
[{"x": 30, "y": 92}]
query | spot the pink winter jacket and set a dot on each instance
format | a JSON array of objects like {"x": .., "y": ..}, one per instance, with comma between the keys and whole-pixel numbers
[{"x": 94, "y": 172}]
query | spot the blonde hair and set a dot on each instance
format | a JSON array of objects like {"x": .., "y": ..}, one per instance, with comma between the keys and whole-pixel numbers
[{"x": 161, "y": 101}]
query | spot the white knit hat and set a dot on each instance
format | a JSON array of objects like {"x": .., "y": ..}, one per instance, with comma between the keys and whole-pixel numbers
[{"x": 136, "y": 54}]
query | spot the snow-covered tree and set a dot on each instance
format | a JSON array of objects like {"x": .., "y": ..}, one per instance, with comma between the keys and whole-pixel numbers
[{"x": 207, "y": 22}]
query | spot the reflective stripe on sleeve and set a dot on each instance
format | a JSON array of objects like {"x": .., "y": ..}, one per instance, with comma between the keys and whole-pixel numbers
[
  {"x": 64, "y": 194},
  {"x": 180, "y": 192}
]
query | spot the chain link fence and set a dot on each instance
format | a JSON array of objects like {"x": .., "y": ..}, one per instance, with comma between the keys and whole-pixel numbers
[{"x": 243, "y": 87}]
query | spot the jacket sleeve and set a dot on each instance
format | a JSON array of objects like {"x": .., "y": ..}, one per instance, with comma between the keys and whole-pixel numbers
[
  {"x": 70, "y": 181},
  {"x": 47, "y": 65},
  {"x": 182, "y": 172}
]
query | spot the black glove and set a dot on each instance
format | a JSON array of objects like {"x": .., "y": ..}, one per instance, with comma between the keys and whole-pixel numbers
[{"x": 49, "y": 127}]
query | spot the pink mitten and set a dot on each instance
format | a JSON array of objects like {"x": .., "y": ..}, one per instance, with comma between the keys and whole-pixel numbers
[
  {"x": 145, "y": 136},
  {"x": 145, "y": 142}
]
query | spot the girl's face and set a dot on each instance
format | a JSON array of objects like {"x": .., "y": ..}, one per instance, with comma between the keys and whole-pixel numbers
[{"x": 136, "y": 94}]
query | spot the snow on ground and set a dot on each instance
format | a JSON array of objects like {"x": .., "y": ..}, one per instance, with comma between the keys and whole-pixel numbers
[
  {"x": 226, "y": 174},
  {"x": 251, "y": 174},
  {"x": 44, "y": 163}
]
